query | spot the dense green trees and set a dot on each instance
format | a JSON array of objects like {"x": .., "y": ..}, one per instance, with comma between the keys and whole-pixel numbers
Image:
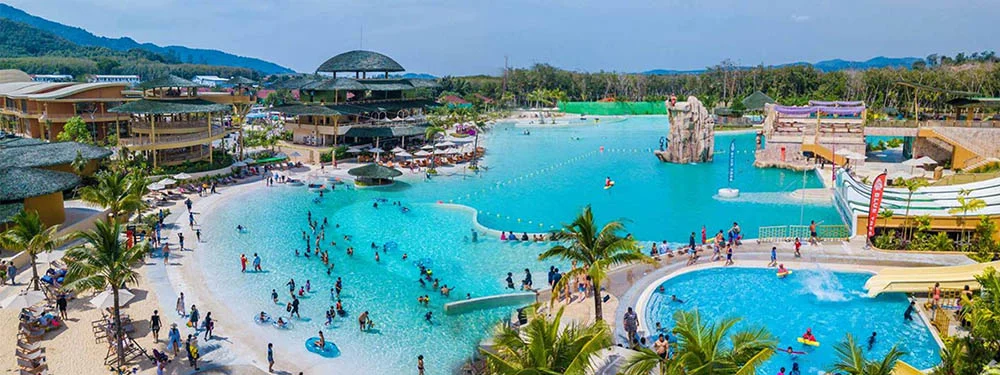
[
  {"x": 793, "y": 84},
  {"x": 75, "y": 130}
]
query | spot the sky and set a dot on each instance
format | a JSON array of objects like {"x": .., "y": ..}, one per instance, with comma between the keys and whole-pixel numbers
[{"x": 466, "y": 37}]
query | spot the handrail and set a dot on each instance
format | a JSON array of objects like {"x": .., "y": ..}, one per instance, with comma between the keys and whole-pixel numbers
[{"x": 166, "y": 139}]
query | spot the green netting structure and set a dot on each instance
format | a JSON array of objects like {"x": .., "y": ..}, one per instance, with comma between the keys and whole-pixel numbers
[{"x": 614, "y": 108}]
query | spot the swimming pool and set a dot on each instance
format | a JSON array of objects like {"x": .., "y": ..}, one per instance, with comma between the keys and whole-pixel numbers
[
  {"x": 532, "y": 183},
  {"x": 831, "y": 303}
]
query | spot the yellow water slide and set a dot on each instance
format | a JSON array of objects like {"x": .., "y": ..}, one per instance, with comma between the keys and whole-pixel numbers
[
  {"x": 920, "y": 279},
  {"x": 823, "y": 152}
]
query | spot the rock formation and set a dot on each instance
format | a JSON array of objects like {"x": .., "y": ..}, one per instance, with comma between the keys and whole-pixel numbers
[{"x": 692, "y": 133}]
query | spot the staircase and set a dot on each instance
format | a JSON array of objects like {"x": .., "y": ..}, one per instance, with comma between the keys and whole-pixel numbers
[
  {"x": 823, "y": 152},
  {"x": 980, "y": 143}
]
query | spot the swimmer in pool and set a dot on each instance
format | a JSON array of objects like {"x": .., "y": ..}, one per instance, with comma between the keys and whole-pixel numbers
[
  {"x": 674, "y": 298},
  {"x": 782, "y": 269},
  {"x": 281, "y": 323},
  {"x": 427, "y": 316},
  {"x": 274, "y": 295},
  {"x": 321, "y": 343},
  {"x": 809, "y": 335},
  {"x": 263, "y": 317},
  {"x": 789, "y": 350},
  {"x": 871, "y": 341}
]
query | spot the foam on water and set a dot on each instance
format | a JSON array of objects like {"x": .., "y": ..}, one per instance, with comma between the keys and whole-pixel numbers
[{"x": 823, "y": 285}]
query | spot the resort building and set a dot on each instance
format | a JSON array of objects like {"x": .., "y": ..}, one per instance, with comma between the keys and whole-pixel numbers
[
  {"x": 41, "y": 109},
  {"x": 130, "y": 79},
  {"x": 34, "y": 174},
  {"x": 365, "y": 107},
  {"x": 51, "y": 77},
  {"x": 173, "y": 123},
  {"x": 798, "y": 136},
  {"x": 210, "y": 81}
]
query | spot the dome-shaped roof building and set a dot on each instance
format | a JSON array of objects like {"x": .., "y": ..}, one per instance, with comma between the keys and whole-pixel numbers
[{"x": 360, "y": 61}]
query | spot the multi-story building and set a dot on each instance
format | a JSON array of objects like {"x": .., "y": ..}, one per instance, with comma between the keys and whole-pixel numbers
[
  {"x": 210, "y": 81},
  {"x": 173, "y": 123},
  {"x": 41, "y": 109},
  {"x": 130, "y": 79},
  {"x": 51, "y": 77}
]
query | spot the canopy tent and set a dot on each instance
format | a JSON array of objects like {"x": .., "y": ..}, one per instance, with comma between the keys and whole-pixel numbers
[
  {"x": 756, "y": 101},
  {"x": 836, "y": 103},
  {"x": 374, "y": 174},
  {"x": 826, "y": 110}
]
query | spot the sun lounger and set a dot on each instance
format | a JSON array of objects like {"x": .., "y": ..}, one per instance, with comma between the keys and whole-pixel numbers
[
  {"x": 37, "y": 356},
  {"x": 32, "y": 367},
  {"x": 29, "y": 334},
  {"x": 26, "y": 347}
]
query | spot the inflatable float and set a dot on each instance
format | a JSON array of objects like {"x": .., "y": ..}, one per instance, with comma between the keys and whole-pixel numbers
[
  {"x": 729, "y": 193},
  {"x": 808, "y": 342},
  {"x": 267, "y": 319},
  {"x": 609, "y": 185},
  {"x": 329, "y": 350},
  {"x": 783, "y": 274}
]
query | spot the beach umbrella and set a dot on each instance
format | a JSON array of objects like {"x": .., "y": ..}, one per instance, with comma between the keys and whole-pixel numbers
[
  {"x": 376, "y": 150},
  {"x": 422, "y": 153},
  {"x": 23, "y": 300},
  {"x": 156, "y": 186},
  {"x": 924, "y": 160},
  {"x": 444, "y": 144},
  {"x": 427, "y": 147},
  {"x": 167, "y": 181},
  {"x": 239, "y": 164},
  {"x": 843, "y": 152},
  {"x": 294, "y": 154},
  {"x": 181, "y": 176},
  {"x": 398, "y": 149},
  {"x": 354, "y": 150},
  {"x": 913, "y": 163},
  {"x": 404, "y": 154},
  {"x": 855, "y": 156},
  {"x": 106, "y": 299}
]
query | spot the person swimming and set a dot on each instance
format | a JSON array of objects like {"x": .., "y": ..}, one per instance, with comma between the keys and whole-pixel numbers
[
  {"x": 608, "y": 182},
  {"x": 280, "y": 323},
  {"x": 263, "y": 317},
  {"x": 789, "y": 350},
  {"x": 782, "y": 269},
  {"x": 428, "y": 316},
  {"x": 809, "y": 335},
  {"x": 871, "y": 341},
  {"x": 673, "y": 298}
]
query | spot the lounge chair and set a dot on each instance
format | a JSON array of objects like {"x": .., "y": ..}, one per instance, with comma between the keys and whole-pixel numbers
[
  {"x": 30, "y": 334},
  {"x": 36, "y": 356},
  {"x": 32, "y": 367},
  {"x": 26, "y": 347}
]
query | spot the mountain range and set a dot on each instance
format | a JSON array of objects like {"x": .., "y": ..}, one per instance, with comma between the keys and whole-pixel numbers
[
  {"x": 184, "y": 54},
  {"x": 825, "y": 65}
]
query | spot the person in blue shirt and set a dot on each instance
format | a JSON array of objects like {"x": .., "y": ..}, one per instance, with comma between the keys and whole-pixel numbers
[{"x": 774, "y": 257}]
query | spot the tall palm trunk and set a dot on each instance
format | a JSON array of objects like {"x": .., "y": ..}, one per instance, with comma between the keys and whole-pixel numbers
[
  {"x": 34, "y": 273},
  {"x": 119, "y": 345},
  {"x": 598, "y": 309},
  {"x": 906, "y": 219}
]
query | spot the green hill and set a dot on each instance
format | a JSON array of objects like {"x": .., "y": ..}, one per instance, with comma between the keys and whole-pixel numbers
[
  {"x": 36, "y": 51},
  {"x": 83, "y": 37}
]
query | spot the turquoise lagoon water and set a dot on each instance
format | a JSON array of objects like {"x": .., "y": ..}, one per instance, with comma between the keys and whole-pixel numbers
[
  {"x": 831, "y": 303},
  {"x": 542, "y": 179}
]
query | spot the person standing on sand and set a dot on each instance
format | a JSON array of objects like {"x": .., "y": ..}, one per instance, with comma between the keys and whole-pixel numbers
[
  {"x": 174, "y": 338},
  {"x": 197, "y": 234},
  {"x": 61, "y": 304},
  {"x": 180, "y": 305},
  {"x": 166, "y": 253},
  {"x": 270, "y": 357},
  {"x": 180, "y": 238},
  {"x": 154, "y": 325}
]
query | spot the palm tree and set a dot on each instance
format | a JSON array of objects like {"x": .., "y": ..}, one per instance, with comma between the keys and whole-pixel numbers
[
  {"x": 966, "y": 205},
  {"x": 911, "y": 187},
  {"x": 116, "y": 191},
  {"x": 104, "y": 261},
  {"x": 595, "y": 250},
  {"x": 545, "y": 346},
  {"x": 31, "y": 235},
  {"x": 985, "y": 313},
  {"x": 851, "y": 359},
  {"x": 704, "y": 349}
]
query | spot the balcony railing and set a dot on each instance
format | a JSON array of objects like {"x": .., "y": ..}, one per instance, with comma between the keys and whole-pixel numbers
[
  {"x": 145, "y": 127},
  {"x": 941, "y": 123},
  {"x": 165, "y": 140}
]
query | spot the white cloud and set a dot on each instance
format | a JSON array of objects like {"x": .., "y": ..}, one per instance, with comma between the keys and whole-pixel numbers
[{"x": 800, "y": 19}]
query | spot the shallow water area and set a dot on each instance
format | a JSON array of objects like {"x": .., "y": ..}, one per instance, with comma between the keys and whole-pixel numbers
[{"x": 530, "y": 184}]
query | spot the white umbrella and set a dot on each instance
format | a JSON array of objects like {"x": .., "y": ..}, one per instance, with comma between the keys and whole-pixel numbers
[
  {"x": 106, "y": 299},
  {"x": 912, "y": 162},
  {"x": 460, "y": 139},
  {"x": 398, "y": 149},
  {"x": 856, "y": 156},
  {"x": 23, "y": 300},
  {"x": 924, "y": 160},
  {"x": 444, "y": 144},
  {"x": 354, "y": 150},
  {"x": 404, "y": 154},
  {"x": 422, "y": 153},
  {"x": 167, "y": 181},
  {"x": 451, "y": 150},
  {"x": 843, "y": 152},
  {"x": 294, "y": 154},
  {"x": 427, "y": 147},
  {"x": 376, "y": 150},
  {"x": 156, "y": 186},
  {"x": 239, "y": 164},
  {"x": 181, "y": 176}
]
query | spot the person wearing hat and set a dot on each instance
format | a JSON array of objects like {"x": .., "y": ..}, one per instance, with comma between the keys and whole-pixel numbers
[{"x": 174, "y": 338}]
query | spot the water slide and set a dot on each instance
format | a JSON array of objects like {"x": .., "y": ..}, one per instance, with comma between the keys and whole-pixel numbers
[
  {"x": 489, "y": 302},
  {"x": 921, "y": 279},
  {"x": 823, "y": 152}
]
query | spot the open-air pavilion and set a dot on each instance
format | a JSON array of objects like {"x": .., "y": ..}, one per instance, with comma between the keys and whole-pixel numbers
[{"x": 374, "y": 175}]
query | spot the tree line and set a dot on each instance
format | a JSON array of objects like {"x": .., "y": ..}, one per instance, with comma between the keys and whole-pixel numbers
[{"x": 726, "y": 83}]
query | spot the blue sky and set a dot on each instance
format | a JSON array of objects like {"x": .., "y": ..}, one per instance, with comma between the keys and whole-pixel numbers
[{"x": 472, "y": 36}]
